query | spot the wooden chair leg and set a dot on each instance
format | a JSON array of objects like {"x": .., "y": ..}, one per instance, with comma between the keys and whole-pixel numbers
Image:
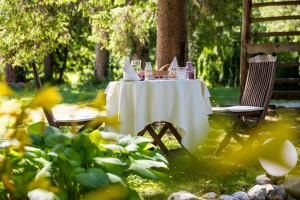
[
  {"x": 223, "y": 144},
  {"x": 239, "y": 139}
]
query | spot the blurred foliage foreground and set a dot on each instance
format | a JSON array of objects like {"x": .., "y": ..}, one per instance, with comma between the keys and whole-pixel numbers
[{"x": 44, "y": 162}]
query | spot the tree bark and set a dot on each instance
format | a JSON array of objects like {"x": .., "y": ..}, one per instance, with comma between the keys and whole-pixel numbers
[
  {"x": 10, "y": 74},
  {"x": 171, "y": 32},
  {"x": 64, "y": 66},
  {"x": 101, "y": 63},
  {"x": 48, "y": 67}
]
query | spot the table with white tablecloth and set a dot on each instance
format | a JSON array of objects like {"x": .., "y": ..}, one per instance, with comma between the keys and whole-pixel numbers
[{"x": 184, "y": 103}]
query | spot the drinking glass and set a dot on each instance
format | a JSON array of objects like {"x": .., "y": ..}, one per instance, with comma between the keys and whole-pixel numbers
[
  {"x": 181, "y": 73},
  {"x": 137, "y": 65}
]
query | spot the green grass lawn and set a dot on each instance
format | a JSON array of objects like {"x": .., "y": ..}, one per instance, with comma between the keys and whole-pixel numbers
[{"x": 223, "y": 175}]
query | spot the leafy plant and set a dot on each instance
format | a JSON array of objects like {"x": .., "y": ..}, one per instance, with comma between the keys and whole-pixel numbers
[{"x": 42, "y": 162}]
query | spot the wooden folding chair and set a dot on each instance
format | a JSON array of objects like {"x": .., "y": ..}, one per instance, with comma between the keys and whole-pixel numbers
[
  {"x": 71, "y": 115},
  {"x": 255, "y": 99}
]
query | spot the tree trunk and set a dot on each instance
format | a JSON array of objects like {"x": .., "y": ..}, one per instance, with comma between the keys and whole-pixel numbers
[
  {"x": 171, "y": 32},
  {"x": 48, "y": 67},
  {"x": 10, "y": 74},
  {"x": 64, "y": 66},
  {"x": 101, "y": 63}
]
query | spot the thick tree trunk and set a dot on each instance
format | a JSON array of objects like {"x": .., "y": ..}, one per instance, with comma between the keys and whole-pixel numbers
[
  {"x": 48, "y": 67},
  {"x": 10, "y": 74},
  {"x": 101, "y": 63},
  {"x": 171, "y": 31}
]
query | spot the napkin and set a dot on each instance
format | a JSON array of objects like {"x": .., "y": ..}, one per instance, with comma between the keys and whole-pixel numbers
[
  {"x": 173, "y": 65},
  {"x": 129, "y": 73}
]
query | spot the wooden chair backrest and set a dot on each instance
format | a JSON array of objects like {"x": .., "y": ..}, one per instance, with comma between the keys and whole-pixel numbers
[
  {"x": 38, "y": 85},
  {"x": 259, "y": 82}
]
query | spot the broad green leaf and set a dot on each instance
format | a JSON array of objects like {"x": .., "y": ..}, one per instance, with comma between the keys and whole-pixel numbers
[
  {"x": 148, "y": 163},
  {"x": 53, "y": 136},
  {"x": 126, "y": 140},
  {"x": 132, "y": 147},
  {"x": 115, "y": 179},
  {"x": 73, "y": 157},
  {"x": 113, "y": 147},
  {"x": 37, "y": 128},
  {"x": 143, "y": 168},
  {"x": 114, "y": 161},
  {"x": 111, "y": 136},
  {"x": 133, "y": 195},
  {"x": 96, "y": 138},
  {"x": 93, "y": 178}
]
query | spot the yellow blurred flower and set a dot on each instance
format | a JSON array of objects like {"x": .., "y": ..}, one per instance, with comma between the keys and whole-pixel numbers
[
  {"x": 108, "y": 193},
  {"x": 46, "y": 98},
  {"x": 5, "y": 90},
  {"x": 99, "y": 101},
  {"x": 8, "y": 184},
  {"x": 110, "y": 121},
  {"x": 42, "y": 182}
]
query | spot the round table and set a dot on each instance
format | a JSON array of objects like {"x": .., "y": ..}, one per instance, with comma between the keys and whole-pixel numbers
[{"x": 184, "y": 103}]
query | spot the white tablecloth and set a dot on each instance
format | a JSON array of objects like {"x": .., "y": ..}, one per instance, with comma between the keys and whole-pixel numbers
[{"x": 184, "y": 103}]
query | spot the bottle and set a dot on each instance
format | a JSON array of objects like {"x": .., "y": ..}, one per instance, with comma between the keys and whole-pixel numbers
[
  {"x": 148, "y": 71},
  {"x": 190, "y": 74}
]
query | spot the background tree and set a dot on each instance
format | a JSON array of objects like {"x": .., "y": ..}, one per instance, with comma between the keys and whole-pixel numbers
[{"x": 171, "y": 31}]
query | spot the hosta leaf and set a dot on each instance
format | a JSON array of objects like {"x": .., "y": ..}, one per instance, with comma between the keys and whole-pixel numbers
[
  {"x": 143, "y": 168},
  {"x": 126, "y": 140},
  {"x": 37, "y": 128},
  {"x": 115, "y": 179},
  {"x": 111, "y": 136},
  {"x": 93, "y": 178},
  {"x": 148, "y": 163},
  {"x": 72, "y": 155},
  {"x": 133, "y": 195},
  {"x": 53, "y": 136},
  {"x": 96, "y": 138},
  {"x": 113, "y": 147},
  {"x": 132, "y": 147},
  {"x": 114, "y": 161}
]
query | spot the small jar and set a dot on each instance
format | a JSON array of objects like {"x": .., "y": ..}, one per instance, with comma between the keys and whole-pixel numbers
[
  {"x": 190, "y": 71},
  {"x": 148, "y": 71}
]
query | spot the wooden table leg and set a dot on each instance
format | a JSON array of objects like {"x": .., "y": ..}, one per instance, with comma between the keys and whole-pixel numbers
[{"x": 157, "y": 140}]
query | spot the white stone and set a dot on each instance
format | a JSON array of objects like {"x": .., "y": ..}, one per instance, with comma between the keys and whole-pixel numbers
[
  {"x": 183, "y": 195},
  {"x": 241, "y": 195}
]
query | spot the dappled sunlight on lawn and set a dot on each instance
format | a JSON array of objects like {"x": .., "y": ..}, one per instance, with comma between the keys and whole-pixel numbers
[{"x": 232, "y": 171}]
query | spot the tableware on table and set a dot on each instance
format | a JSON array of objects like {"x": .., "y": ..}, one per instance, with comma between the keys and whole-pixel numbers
[
  {"x": 137, "y": 65},
  {"x": 190, "y": 71},
  {"x": 148, "y": 71},
  {"x": 129, "y": 73},
  {"x": 181, "y": 73},
  {"x": 173, "y": 68}
]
